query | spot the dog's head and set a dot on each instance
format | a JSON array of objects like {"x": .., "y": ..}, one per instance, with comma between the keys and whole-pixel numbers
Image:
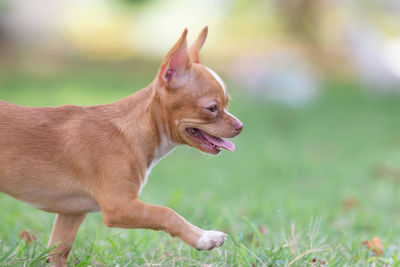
[{"x": 195, "y": 99}]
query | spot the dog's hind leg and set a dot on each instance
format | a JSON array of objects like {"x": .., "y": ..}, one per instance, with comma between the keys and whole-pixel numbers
[{"x": 64, "y": 231}]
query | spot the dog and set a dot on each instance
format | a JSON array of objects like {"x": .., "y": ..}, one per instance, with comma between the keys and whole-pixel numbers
[{"x": 71, "y": 160}]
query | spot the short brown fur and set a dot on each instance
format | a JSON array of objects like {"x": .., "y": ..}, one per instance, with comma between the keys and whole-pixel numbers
[{"x": 72, "y": 160}]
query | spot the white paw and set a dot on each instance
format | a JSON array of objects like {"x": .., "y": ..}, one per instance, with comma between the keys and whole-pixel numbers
[{"x": 211, "y": 239}]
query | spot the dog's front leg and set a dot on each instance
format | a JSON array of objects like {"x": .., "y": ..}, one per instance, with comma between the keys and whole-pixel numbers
[
  {"x": 64, "y": 231},
  {"x": 133, "y": 213}
]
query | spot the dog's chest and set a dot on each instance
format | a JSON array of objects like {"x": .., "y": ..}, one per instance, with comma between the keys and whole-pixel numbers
[{"x": 160, "y": 152}]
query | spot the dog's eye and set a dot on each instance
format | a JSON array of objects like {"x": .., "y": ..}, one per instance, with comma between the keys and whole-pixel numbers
[{"x": 212, "y": 108}]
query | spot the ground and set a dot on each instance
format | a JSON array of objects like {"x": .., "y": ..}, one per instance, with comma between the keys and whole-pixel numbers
[{"x": 305, "y": 186}]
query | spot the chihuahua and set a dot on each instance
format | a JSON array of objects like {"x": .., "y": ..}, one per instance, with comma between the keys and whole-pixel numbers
[{"x": 72, "y": 160}]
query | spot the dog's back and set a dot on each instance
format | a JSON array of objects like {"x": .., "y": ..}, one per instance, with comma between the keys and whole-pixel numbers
[{"x": 33, "y": 148}]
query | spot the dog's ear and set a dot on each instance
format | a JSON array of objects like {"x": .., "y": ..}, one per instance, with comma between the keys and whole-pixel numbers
[
  {"x": 174, "y": 69},
  {"x": 198, "y": 44}
]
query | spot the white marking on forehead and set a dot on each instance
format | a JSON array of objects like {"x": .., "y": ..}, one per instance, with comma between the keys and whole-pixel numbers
[
  {"x": 218, "y": 79},
  {"x": 230, "y": 114}
]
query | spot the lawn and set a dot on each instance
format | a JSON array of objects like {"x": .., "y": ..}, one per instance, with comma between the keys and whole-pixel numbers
[{"x": 305, "y": 186}]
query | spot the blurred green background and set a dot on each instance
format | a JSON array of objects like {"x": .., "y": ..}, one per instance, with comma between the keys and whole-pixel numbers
[{"x": 316, "y": 84}]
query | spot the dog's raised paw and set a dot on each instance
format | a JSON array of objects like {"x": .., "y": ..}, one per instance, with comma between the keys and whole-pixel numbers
[{"x": 211, "y": 239}]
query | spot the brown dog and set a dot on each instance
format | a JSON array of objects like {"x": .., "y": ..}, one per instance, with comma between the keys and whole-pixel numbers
[{"x": 73, "y": 160}]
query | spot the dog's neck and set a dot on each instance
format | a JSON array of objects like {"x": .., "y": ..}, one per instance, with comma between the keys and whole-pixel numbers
[{"x": 141, "y": 119}]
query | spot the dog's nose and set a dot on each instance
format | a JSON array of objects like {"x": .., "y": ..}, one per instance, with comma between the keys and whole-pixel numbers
[{"x": 238, "y": 126}]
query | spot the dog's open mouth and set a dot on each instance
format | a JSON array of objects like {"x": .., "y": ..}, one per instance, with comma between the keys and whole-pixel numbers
[{"x": 209, "y": 142}]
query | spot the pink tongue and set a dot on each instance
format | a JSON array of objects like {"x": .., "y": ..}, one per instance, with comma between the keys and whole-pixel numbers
[{"x": 219, "y": 142}]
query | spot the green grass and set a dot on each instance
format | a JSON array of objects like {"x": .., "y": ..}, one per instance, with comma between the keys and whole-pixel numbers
[{"x": 305, "y": 186}]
